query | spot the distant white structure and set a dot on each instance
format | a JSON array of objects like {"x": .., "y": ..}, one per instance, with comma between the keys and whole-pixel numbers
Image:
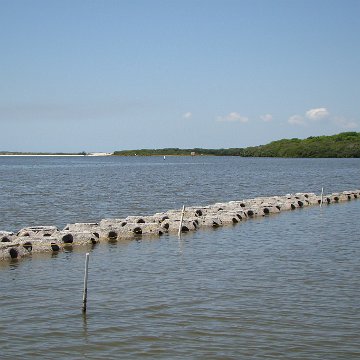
[{"x": 99, "y": 154}]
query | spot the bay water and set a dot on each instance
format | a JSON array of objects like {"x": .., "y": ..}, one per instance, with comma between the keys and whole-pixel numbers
[{"x": 279, "y": 287}]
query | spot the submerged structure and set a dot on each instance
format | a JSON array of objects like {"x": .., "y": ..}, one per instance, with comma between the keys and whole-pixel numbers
[{"x": 51, "y": 239}]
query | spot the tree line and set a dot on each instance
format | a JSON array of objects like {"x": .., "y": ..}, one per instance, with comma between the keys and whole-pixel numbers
[{"x": 343, "y": 145}]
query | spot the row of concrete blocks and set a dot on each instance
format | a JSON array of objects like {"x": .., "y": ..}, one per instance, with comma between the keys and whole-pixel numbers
[{"x": 50, "y": 238}]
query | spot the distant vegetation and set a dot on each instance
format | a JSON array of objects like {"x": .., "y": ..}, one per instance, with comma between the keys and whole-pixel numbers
[
  {"x": 171, "y": 152},
  {"x": 343, "y": 145}
]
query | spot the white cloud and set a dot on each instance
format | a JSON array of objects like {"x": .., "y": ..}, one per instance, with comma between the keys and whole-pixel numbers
[
  {"x": 345, "y": 123},
  {"x": 233, "y": 117},
  {"x": 266, "y": 117},
  {"x": 317, "y": 114},
  {"x": 187, "y": 115},
  {"x": 296, "y": 120}
]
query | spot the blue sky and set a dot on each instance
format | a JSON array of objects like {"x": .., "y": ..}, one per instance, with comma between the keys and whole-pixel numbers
[{"x": 104, "y": 75}]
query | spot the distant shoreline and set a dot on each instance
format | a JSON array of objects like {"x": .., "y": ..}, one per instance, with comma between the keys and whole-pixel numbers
[
  {"x": 57, "y": 155},
  {"x": 343, "y": 145},
  {"x": 4, "y": 155}
]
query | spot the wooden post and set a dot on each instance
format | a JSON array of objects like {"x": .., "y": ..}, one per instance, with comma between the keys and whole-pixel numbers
[
  {"x": 322, "y": 195},
  {"x": 85, "y": 282},
  {"x": 181, "y": 220}
]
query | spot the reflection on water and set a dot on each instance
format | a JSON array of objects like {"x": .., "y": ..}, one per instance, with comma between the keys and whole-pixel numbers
[{"x": 85, "y": 327}]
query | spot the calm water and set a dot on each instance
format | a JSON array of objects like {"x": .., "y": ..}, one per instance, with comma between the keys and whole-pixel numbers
[{"x": 281, "y": 287}]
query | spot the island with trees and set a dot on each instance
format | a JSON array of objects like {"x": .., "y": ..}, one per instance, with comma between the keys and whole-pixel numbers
[{"x": 343, "y": 145}]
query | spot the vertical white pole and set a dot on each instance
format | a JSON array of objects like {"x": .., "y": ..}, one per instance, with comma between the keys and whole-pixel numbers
[
  {"x": 181, "y": 220},
  {"x": 322, "y": 196},
  {"x": 85, "y": 282}
]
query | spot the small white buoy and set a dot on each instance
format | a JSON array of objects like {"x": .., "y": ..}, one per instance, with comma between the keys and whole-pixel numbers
[{"x": 164, "y": 157}]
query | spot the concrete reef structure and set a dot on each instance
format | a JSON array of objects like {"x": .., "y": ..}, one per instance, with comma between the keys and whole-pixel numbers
[{"x": 50, "y": 239}]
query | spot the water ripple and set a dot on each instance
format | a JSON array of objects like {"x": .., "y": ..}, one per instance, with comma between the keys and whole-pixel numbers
[{"x": 281, "y": 287}]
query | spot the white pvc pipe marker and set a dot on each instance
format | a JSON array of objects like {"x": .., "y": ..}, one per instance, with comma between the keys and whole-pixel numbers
[
  {"x": 181, "y": 220},
  {"x": 85, "y": 282},
  {"x": 322, "y": 195}
]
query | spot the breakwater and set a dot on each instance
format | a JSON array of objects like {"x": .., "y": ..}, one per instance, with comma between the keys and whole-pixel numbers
[{"x": 51, "y": 239}]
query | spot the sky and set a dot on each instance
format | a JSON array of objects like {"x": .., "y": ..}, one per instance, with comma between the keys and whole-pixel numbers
[{"x": 106, "y": 75}]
